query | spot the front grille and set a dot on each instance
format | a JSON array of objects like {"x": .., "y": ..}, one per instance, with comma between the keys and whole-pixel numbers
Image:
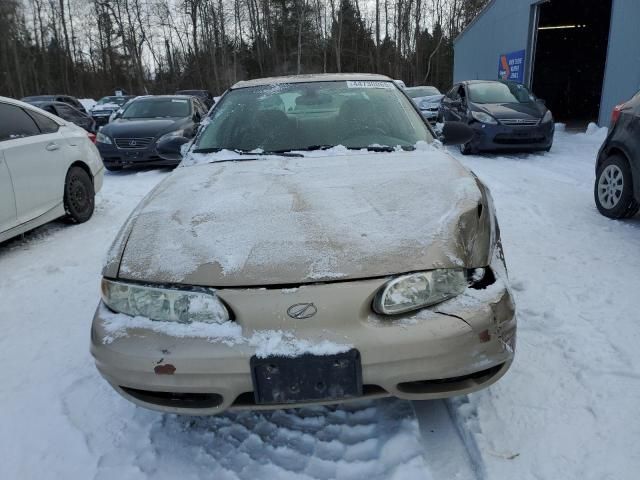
[
  {"x": 133, "y": 143},
  {"x": 519, "y": 122}
]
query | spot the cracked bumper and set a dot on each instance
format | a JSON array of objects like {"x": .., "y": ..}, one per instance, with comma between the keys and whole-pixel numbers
[{"x": 453, "y": 348}]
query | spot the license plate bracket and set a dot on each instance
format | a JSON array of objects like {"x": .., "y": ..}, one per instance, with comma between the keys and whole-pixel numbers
[{"x": 307, "y": 378}]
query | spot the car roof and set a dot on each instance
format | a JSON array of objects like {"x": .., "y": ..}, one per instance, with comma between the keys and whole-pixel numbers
[
  {"x": 180, "y": 97},
  {"x": 33, "y": 108},
  {"x": 320, "y": 77}
]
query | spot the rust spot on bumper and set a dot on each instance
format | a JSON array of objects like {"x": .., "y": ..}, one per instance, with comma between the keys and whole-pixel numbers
[
  {"x": 485, "y": 336},
  {"x": 166, "y": 369}
]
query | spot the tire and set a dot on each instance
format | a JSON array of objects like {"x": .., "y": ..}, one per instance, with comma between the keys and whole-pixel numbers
[
  {"x": 548, "y": 149},
  {"x": 113, "y": 168},
  {"x": 79, "y": 195},
  {"x": 465, "y": 149},
  {"x": 613, "y": 190}
]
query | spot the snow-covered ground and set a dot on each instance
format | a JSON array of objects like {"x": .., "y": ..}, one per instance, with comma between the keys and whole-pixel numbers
[{"x": 569, "y": 408}]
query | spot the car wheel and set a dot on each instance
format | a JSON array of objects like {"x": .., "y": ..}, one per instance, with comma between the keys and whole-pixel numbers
[
  {"x": 113, "y": 168},
  {"x": 465, "y": 149},
  {"x": 548, "y": 149},
  {"x": 614, "y": 189},
  {"x": 79, "y": 195}
]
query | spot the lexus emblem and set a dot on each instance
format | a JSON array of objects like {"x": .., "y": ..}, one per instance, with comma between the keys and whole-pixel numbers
[{"x": 300, "y": 311}]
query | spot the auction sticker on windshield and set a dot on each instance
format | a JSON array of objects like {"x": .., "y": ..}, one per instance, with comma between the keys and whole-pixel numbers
[{"x": 368, "y": 84}]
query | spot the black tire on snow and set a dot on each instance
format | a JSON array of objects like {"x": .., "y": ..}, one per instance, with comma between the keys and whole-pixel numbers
[
  {"x": 79, "y": 195},
  {"x": 626, "y": 206}
]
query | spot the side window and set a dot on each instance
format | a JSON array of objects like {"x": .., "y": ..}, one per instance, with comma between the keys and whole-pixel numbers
[
  {"x": 15, "y": 123},
  {"x": 45, "y": 124},
  {"x": 453, "y": 93}
]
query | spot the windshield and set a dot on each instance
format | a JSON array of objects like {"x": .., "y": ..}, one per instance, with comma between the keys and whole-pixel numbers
[
  {"x": 417, "y": 92},
  {"x": 158, "y": 108},
  {"x": 116, "y": 100},
  {"x": 308, "y": 116},
  {"x": 499, "y": 93}
]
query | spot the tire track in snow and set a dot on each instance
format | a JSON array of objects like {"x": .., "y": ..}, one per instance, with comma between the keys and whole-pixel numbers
[{"x": 450, "y": 449}]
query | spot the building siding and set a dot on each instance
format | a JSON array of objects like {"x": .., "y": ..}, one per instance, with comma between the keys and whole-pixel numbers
[
  {"x": 502, "y": 28},
  {"x": 622, "y": 74}
]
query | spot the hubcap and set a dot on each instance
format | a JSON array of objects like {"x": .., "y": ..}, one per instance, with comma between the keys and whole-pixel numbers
[
  {"x": 78, "y": 194},
  {"x": 610, "y": 186}
]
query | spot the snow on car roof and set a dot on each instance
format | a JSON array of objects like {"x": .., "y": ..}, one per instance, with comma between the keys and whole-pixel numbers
[{"x": 320, "y": 77}]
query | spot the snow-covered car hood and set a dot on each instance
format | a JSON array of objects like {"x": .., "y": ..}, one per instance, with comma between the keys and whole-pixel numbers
[
  {"x": 277, "y": 220},
  {"x": 105, "y": 106},
  {"x": 437, "y": 99}
]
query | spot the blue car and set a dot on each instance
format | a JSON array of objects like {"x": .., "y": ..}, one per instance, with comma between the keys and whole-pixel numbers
[{"x": 503, "y": 116}]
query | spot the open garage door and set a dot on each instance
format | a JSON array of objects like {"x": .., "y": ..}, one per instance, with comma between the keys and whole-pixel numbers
[{"x": 570, "y": 57}]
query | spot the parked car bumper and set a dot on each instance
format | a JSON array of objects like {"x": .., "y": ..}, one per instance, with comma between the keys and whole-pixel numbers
[
  {"x": 513, "y": 138},
  {"x": 439, "y": 355},
  {"x": 113, "y": 156}
]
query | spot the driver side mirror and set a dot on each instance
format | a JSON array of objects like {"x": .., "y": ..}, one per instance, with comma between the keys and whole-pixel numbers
[
  {"x": 456, "y": 133},
  {"x": 171, "y": 148},
  {"x": 196, "y": 117}
]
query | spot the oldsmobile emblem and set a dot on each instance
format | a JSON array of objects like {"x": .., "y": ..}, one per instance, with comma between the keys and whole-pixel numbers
[{"x": 300, "y": 311}]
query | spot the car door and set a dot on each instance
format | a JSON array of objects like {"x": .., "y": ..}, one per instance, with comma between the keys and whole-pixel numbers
[
  {"x": 36, "y": 159},
  {"x": 8, "y": 217},
  {"x": 448, "y": 103}
]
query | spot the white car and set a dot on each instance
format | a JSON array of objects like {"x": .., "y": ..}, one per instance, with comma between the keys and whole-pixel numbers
[{"x": 49, "y": 168}]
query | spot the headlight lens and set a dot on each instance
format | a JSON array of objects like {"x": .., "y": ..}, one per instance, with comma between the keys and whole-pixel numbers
[
  {"x": 163, "y": 304},
  {"x": 175, "y": 133},
  {"x": 419, "y": 290},
  {"x": 484, "y": 118},
  {"x": 102, "y": 138},
  {"x": 548, "y": 117}
]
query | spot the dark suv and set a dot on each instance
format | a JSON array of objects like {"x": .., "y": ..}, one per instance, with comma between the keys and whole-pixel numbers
[
  {"x": 617, "y": 186},
  {"x": 130, "y": 140}
]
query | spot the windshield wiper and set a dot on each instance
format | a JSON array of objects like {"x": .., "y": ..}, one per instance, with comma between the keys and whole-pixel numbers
[{"x": 283, "y": 153}]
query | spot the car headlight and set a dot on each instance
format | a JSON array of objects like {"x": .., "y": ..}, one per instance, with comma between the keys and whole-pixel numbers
[
  {"x": 175, "y": 133},
  {"x": 164, "y": 304},
  {"x": 102, "y": 138},
  {"x": 419, "y": 290},
  {"x": 548, "y": 117},
  {"x": 484, "y": 118}
]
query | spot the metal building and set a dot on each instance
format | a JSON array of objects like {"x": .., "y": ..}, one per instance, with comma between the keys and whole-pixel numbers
[{"x": 581, "y": 56}]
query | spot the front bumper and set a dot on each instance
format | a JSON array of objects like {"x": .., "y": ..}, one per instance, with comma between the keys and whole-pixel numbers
[
  {"x": 113, "y": 156},
  {"x": 512, "y": 138},
  {"x": 454, "y": 348}
]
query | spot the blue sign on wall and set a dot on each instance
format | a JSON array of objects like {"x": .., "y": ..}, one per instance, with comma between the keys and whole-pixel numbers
[{"x": 511, "y": 66}]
